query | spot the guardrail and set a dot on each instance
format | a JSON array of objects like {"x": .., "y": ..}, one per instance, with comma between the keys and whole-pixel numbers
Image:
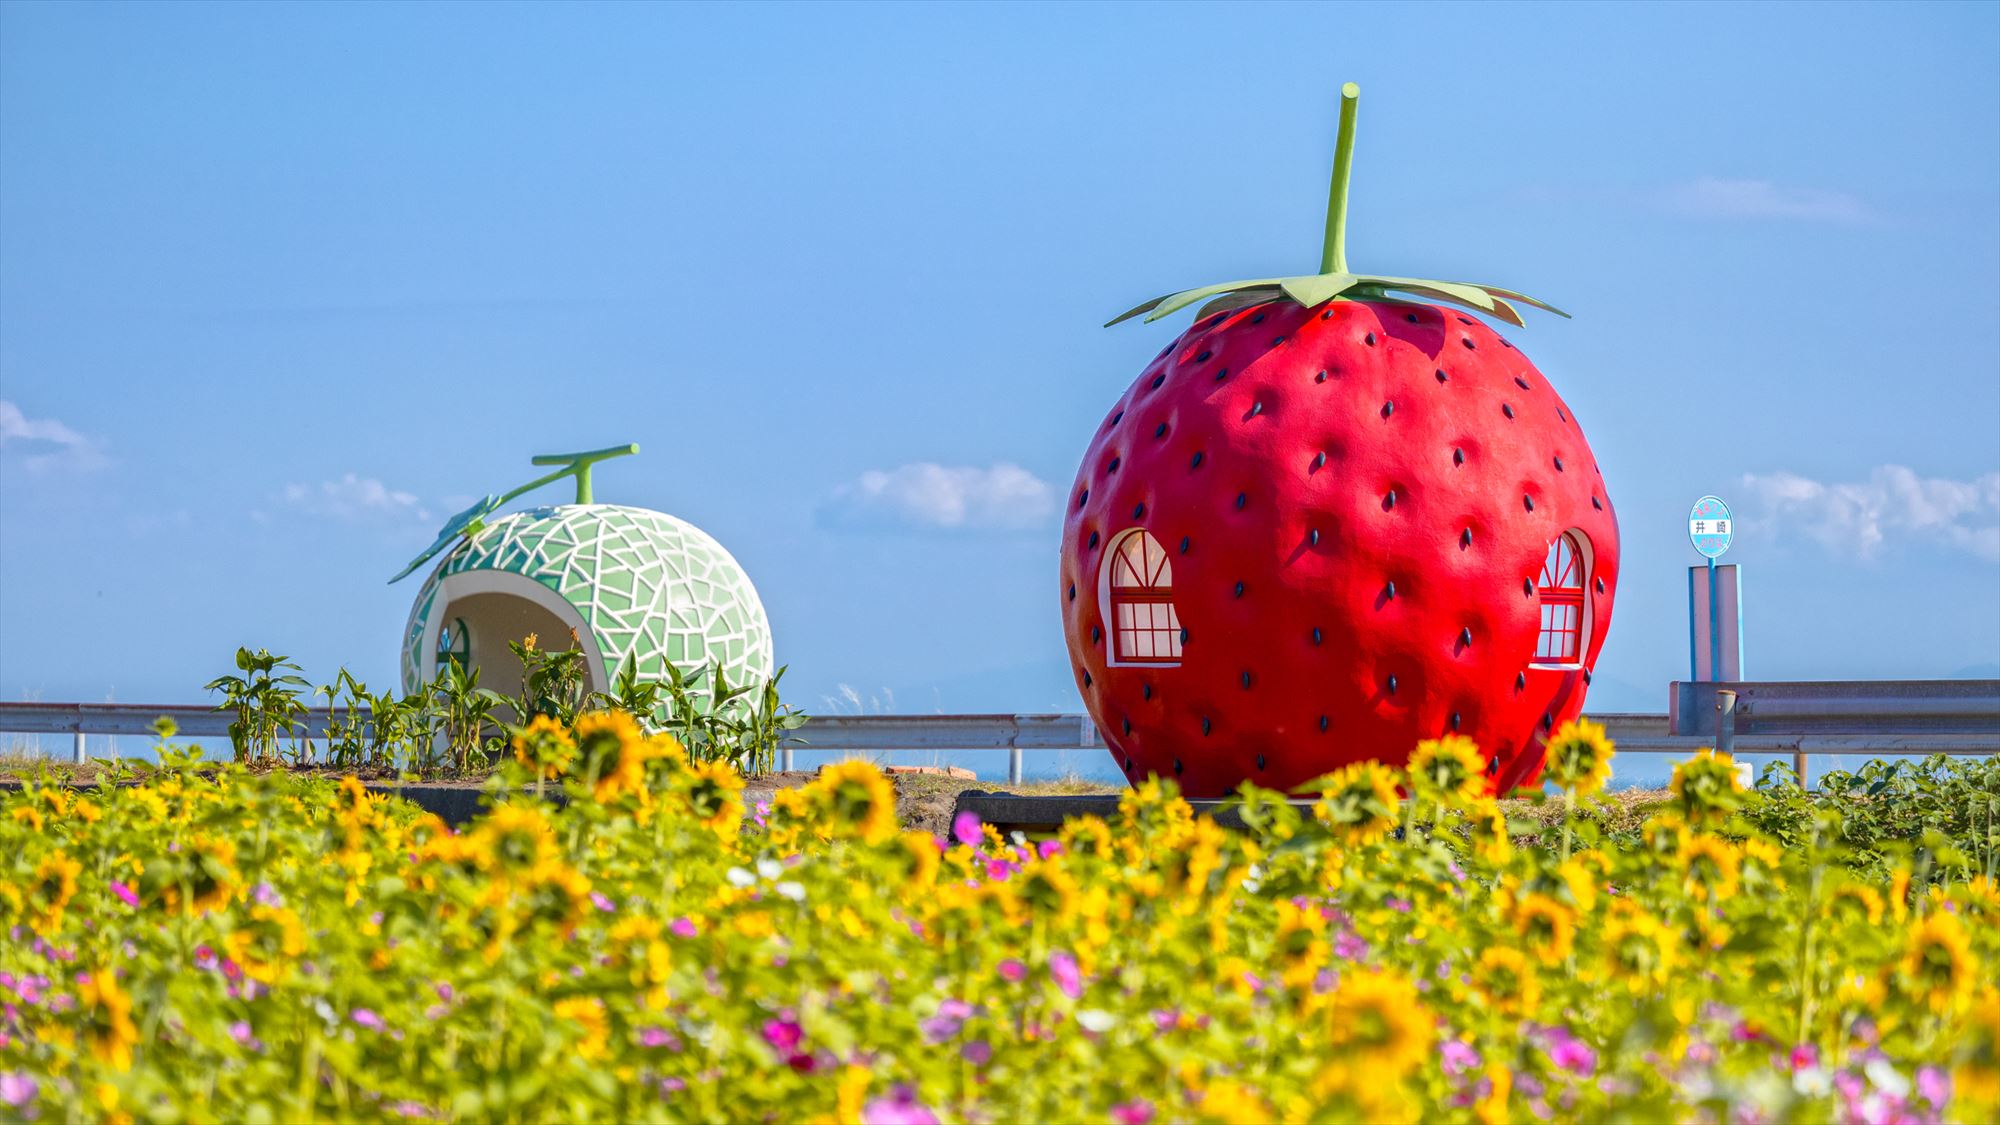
[{"x": 1867, "y": 719}]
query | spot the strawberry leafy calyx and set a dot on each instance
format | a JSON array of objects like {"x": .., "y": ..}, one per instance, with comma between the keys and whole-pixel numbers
[{"x": 1334, "y": 281}]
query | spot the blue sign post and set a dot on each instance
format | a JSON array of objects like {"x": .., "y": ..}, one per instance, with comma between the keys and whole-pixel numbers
[{"x": 1710, "y": 531}]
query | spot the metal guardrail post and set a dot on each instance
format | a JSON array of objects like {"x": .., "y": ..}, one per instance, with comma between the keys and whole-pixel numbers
[
  {"x": 1725, "y": 722},
  {"x": 1013, "y": 765},
  {"x": 1799, "y": 765},
  {"x": 785, "y": 758},
  {"x": 81, "y": 755}
]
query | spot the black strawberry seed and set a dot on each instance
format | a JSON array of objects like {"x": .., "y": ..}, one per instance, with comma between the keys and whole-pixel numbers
[
  {"x": 1246, "y": 680},
  {"x": 1128, "y": 726},
  {"x": 1465, "y": 637},
  {"x": 1093, "y": 540},
  {"x": 1196, "y": 463},
  {"x": 1276, "y": 340},
  {"x": 1520, "y": 382},
  {"x": 1183, "y": 636},
  {"x": 1239, "y": 589},
  {"x": 1507, "y": 410},
  {"x": 1441, "y": 376},
  {"x": 1454, "y": 720},
  {"x": 1467, "y": 341},
  {"x": 1322, "y": 724},
  {"x": 1158, "y": 379},
  {"x": 1072, "y": 591},
  {"x": 1319, "y": 461},
  {"x": 1600, "y": 585},
  {"x": 1369, "y": 339},
  {"x": 1595, "y": 504},
  {"x": 1095, "y": 634},
  {"x": 1389, "y": 501},
  {"x": 1548, "y": 720},
  {"x": 1528, "y": 502},
  {"x": 1520, "y": 681},
  {"x": 1221, "y": 373},
  {"x": 1390, "y": 591},
  {"x": 1256, "y": 408},
  {"x": 1205, "y": 726},
  {"x": 1464, "y": 320},
  {"x": 1411, "y": 317},
  {"x": 1146, "y": 691},
  {"x": 1177, "y": 767},
  {"x": 1115, "y": 462},
  {"x": 1586, "y": 677},
  {"x": 1458, "y": 457},
  {"x": 1242, "y": 498},
  {"x": 1203, "y": 357},
  {"x": 1083, "y": 499},
  {"x": 1118, "y": 417},
  {"x": 1315, "y": 634},
  {"x": 1086, "y": 679},
  {"x": 1313, "y": 536},
  {"x": 1388, "y": 408},
  {"x": 1258, "y": 319},
  {"x": 1559, "y": 464},
  {"x": 1560, "y": 415},
  {"x": 1184, "y": 544},
  {"x": 1392, "y": 685},
  {"x": 1320, "y": 378},
  {"x": 1465, "y": 539},
  {"x": 1160, "y": 430},
  {"x": 1138, "y": 510},
  {"x": 1260, "y": 761}
]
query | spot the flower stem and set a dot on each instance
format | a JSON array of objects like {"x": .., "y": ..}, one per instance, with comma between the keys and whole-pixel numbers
[{"x": 1333, "y": 258}]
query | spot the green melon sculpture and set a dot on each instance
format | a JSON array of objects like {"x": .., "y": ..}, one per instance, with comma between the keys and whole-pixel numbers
[{"x": 632, "y": 585}]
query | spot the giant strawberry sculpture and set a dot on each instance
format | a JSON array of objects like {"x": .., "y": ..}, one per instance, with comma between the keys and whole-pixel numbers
[{"x": 1329, "y": 520}]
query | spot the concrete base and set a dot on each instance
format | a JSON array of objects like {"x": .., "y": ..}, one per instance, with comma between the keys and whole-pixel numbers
[{"x": 1042, "y": 816}]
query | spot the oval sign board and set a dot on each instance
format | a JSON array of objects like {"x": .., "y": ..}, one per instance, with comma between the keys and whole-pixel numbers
[{"x": 1708, "y": 526}]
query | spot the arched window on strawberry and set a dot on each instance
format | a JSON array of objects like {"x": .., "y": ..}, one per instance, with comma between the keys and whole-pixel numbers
[
  {"x": 1139, "y": 583},
  {"x": 1560, "y": 590}
]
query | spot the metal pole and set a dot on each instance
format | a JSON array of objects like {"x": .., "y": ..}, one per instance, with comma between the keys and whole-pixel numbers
[
  {"x": 1725, "y": 722},
  {"x": 81, "y": 755},
  {"x": 785, "y": 758},
  {"x": 1799, "y": 766},
  {"x": 1013, "y": 765},
  {"x": 1714, "y": 627}
]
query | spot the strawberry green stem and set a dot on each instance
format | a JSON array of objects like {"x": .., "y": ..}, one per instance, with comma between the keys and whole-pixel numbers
[{"x": 1333, "y": 259}]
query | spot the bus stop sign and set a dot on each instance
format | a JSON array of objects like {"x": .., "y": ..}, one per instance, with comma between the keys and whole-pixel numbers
[{"x": 1708, "y": 526}]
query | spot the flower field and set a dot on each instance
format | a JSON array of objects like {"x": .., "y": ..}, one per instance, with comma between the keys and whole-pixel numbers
[{"x": 214, "y": 944}]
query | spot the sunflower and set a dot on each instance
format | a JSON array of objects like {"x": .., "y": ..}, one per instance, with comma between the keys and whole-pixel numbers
[
  {"x": 510, "y": 839},
  {"x": 545, "y": 747},
  {"x": 1486, "y": 829},
  {"x": 1938, "y": 962},
  {"x": 107, "y": 1012},
  {"x": 1977, "y": 1078},
  {"x": 1377, "y": 1020},
  {"x": 1449, "y": 770},
  {"x": 1639, "y": 951},
  {"x": 1546, "y": 926},
  {"x": 920, "y": 862},
  {"x": 1706, "y": 787},
  {"x": 1579, "y": 757},
  {"x": 1154, "y": 816},
  {"x": 1855, "y": 901},
  {"x": 1507, "y": 981},
  {"x": 855, "y": 799},
  {"x": 1300, "y": 944},
  {"x": 587, "y": 1012},
  {"x": 1359, "y": 803},
  {"x": 1047, "y": 888},
  {"x": 1085, "y": 836},
  {"x": 49, "y": 894},
  {"x": 614, "y": 751},
  {"x": 1710, "y": 865},
  {"x": 713, "y": 791},
  {"x": 206, "y": 878},
  {"x": 263, "y": 945}
]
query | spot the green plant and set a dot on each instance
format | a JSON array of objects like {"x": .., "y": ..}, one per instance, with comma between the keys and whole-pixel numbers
[
  {"x": 346, "y": 720},
  {"x": 722, "y": 723},
  {"x": 551, "y": 681},
  {"x": 266, "y": 701},
  {"x": 637, "y": 697},
  {"x": 464, "y": 710}
]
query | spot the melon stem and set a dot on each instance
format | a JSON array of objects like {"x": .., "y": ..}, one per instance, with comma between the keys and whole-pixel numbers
[{"x": 1333, "y": 258}]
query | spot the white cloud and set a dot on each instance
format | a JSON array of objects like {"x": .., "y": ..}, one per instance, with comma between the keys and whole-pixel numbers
[
  {"x": 1893, "y": 506},
  {"x": 1712, "y": 197},
  {"x": 926, "y": 495},
  {"x": 48, "y": 443},
  {"x": 354, "y": 497}
]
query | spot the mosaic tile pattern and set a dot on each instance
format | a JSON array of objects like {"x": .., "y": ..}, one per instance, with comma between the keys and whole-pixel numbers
[{"x": 650, "y": 586}]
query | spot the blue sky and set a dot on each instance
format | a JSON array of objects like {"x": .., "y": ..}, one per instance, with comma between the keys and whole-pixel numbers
[{"x": 282, "y": 286}]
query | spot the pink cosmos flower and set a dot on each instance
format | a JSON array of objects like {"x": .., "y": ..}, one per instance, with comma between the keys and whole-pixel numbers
[
  {"x": 965, "y": 828},
  {"x": 978, "y": 1052},
  {"x": 682, "y": 928},
  {"x": 1063, "y": 970},
  {"x": 1138, "y": 1111},
  {"x": 1457, "y": 1056},
  {"x": 783, "y": 1035},
  {"x": 367, "y": 1018},
  {"x": 18, "y": 1089},
  {"x": 602, "y": 903},
  {"x": 1012, "y": 970},
  {"x": 1047, "y": 848},
  {"x": 125, "y": 894}
]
